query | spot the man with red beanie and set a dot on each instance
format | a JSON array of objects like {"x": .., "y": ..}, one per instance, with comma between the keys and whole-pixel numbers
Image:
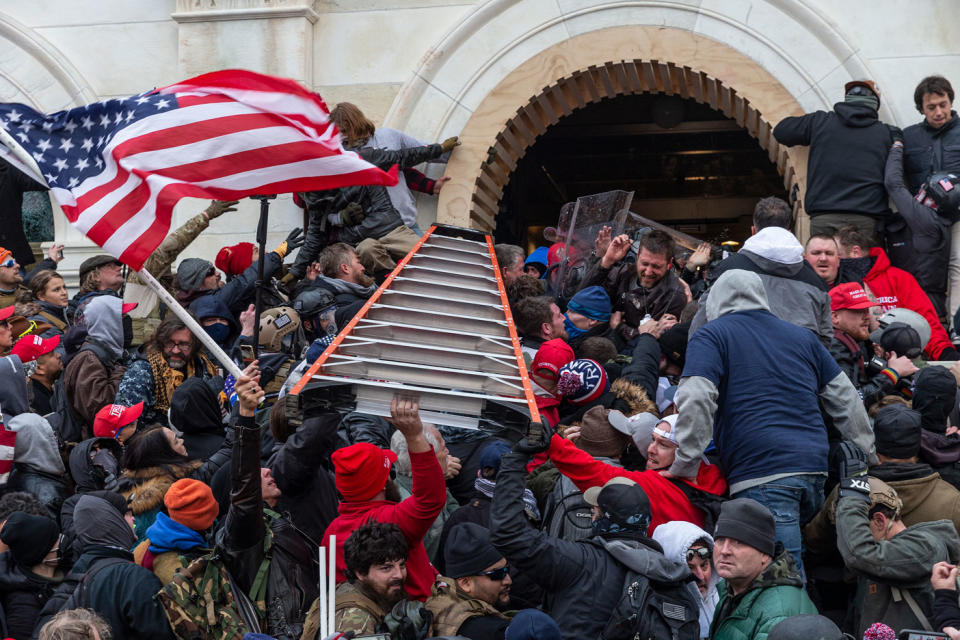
[
  {"x": 234, "y": 260},
  {"x": 192, "y": 511},
  {"x": 362, "y": 473}
]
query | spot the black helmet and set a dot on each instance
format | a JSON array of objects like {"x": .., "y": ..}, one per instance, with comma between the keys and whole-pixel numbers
[
  {"x": 313, "y": 300},
  {"x": 808, "y": 626},
  {"x": 941, "y": 192}
]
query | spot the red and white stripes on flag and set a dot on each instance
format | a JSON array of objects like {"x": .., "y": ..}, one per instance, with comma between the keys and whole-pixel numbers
[{"x": 118, "y": 167}]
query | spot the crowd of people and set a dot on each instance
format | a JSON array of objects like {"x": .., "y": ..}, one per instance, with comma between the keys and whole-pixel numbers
[{"x": 764, "y": 444}]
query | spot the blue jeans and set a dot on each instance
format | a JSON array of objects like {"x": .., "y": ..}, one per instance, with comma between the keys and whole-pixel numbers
[{"x": 794, "y": 501}]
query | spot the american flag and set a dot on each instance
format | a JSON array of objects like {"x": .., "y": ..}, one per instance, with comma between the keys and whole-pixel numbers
[{"x": 117, "y": 167}]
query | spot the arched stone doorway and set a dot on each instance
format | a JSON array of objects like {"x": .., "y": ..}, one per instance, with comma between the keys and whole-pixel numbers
[
  {"x": 609, "y": 81},
  {"x": 783, "y": 57}
]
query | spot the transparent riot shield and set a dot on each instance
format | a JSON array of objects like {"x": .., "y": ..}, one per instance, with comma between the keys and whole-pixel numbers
[{"x": 579, "y": 225}]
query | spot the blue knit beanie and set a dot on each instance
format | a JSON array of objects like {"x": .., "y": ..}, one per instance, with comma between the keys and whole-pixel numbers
[
  {"x": 531, "y": 624},
  {"x": 592, "y": 302}
]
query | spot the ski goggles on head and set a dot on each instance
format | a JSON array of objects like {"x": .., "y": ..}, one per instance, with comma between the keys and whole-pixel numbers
[
  {"x": 497, "y": 574},
  {"x": 703, "y": 553}
]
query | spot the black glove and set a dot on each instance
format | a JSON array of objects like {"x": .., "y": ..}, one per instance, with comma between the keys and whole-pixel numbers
[
  {"x": 897, "y": 134},
  {"x": 352, "y": 215},
  {"x": 537, "y": 439},
  {"x": 853, "y": 471},
  {"x": 295, "y": 239}
]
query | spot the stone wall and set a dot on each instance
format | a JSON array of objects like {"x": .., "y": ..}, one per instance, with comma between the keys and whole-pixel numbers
[{"x": 435, "y": 68}]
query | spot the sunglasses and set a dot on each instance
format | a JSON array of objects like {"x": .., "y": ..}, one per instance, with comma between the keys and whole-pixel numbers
[
  {"x": 497, "y": 574},
  {"x": 702, "y": 552},
  {"x": 9, "y": 263}
]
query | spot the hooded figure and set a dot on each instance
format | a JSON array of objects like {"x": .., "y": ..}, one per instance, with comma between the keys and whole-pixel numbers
[
  {"x": 207, "y": 307},
  {"x": 116, "y": 588},
  {"x": 739, "y": 367},
  {"x": 93, "y": 375},
  {"x": 94, "y": 466},
  {"x": 676, "y": 538},
  {"x": 13, "y": 388},
  {"x": 195, "y": 412},
  {"x": 934, "y": 396},
  {"x": 37, "y": 465}
]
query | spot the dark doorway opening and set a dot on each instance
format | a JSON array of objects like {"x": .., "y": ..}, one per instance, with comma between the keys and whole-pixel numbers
[{"x": 690, "y": 166}]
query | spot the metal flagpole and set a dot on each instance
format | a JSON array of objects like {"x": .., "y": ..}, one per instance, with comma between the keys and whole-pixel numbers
[
  {"x": 225, "y": 361},
  {"x": 262, "y": 244}
]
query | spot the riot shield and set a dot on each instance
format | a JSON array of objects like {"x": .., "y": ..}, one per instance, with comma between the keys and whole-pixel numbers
[{"x": 577, "y": 228}]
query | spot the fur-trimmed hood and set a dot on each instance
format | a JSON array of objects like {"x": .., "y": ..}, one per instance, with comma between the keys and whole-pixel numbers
[
  {"x": 634, "y": 395},
  {"x": 150, "y": 484}
]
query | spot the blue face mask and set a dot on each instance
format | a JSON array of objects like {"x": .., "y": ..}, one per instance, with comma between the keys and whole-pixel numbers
[
  {"x": 219, "y": 332},
  {"x": 573, "y": 331}
]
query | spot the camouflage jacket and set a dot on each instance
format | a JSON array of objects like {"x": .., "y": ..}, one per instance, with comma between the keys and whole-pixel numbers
[
  {"x": 451, "y": 608},
  {"x": 161, "y": 260},
  {"x": 355, "y": 612},
  {"x": 775, "y": 594}
]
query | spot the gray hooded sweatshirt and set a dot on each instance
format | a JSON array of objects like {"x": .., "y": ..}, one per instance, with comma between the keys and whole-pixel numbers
[
  {"x": 36, "y": 444},
  {"x": 697, "y": 397},
  {"x": 13, "y": 388},
  {"x": 104, "y": 322}
]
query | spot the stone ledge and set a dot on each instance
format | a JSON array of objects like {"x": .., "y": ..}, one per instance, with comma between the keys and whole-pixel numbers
[{"x": 252, "y": 13}]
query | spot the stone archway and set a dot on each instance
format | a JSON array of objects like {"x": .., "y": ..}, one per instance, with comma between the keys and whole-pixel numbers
[
  {"x": 592, "y": 67},
  {"x": 596, "y": 83}
]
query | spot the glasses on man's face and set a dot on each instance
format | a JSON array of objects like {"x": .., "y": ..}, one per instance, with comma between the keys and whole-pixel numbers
[
  {"x": 497, "y": 574},
  {"x": 183, "y": 347},
  {"x": 9, "y": 263},
  {"x": 703, "y": 553}
]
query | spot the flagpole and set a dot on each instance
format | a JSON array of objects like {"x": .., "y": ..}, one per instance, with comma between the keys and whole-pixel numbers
[
  {"x": 225, "y": 361},
  {"x": 262, "y": 245}
]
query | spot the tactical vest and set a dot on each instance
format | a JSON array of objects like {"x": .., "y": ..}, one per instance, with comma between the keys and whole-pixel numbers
[{"x": 451, "y": 609}]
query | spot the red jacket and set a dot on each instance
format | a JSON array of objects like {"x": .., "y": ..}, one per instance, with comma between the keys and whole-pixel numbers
[
  {"x": 414, "y": 516},
  {"x": 667, "y": 502},
  {"x": 895, "y": 287}
]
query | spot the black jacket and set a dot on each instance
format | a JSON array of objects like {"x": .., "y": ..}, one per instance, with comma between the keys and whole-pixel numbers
[
  {"x": 293, "y": 574},
  {"x": 195, "y": 411},
  {"x": 848, "y": 149},
  {"x": 13, "y": 184},
  {"x": 582, "y": 580},
  {"x": 928, "y": 150},
  {"x": 871, "y": 388},
  {"x": 626, "y": 294},
  {"x": 301, "y": 470},
  {"x": 49, "y": 489},
  {"x": 927, "y": 253},
  {"x": 115, "y": 587},
  {"x": 22, "y": 595},
  {"x": 88, "y": 478}
]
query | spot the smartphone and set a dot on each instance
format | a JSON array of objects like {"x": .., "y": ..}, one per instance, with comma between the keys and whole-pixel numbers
[
  {"x": 60, "y": 254},
  {"x": 917, "y": 634}
]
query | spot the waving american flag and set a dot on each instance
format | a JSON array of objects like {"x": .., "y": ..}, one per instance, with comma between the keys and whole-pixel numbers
[{"x": 118, "y": 167}]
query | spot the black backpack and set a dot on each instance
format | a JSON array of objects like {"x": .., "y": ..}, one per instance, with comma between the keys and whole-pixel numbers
[
  {"x": 707, "y": 502},
  {"x": 566, "y": 514},
  {"x": 653, "y": 610}
]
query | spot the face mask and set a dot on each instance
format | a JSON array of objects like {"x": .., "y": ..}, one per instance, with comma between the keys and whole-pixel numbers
[
  {"x": 219, "y": 332},
  {"x": 127, "y": 323},
  {"x": 573, "y": 330}
]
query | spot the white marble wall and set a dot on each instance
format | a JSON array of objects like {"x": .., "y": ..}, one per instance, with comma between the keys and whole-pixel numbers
[{"x": 426, "y": 65}]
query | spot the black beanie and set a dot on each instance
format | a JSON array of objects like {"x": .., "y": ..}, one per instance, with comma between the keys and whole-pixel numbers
[
  {"x": 30, "y": 538},
  {"x": 468, "y": 551},
  {"x": 749, "y": 522},
  {"x": 808, "y": 626},
  {"x": 897, "y": 431},
  {"x": 934, "y": 396}
]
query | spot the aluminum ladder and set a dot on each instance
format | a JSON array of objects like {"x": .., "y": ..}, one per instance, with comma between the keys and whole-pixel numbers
[{"x": 439, "y": 328}]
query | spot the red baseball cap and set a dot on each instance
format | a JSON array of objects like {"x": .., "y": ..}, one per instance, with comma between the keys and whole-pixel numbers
[
  {"x": 551, "y": 355},
  {"x": 849, "y": 295},
  {"x": 6, "y": 312},
  {"x": 127, "y": 307},
  {"x": 30, "y": 347},
  {"x": 361, "y": 470},
  {"x": 110, "y": 420}
]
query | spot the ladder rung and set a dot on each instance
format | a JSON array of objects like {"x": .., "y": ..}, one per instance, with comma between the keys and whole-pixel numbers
[
  {"x": 427, "y": 354},
  {"x": 369, "y": 327}
]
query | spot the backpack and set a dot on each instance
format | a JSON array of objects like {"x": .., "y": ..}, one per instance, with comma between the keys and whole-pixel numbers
[
  {"x": 653, "y": 610},
  {"x": 203, "y": 600},
  {"x": 566, "y": 514}
]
